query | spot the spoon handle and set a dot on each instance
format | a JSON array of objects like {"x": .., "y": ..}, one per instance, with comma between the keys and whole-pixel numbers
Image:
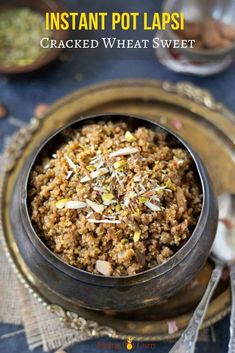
[
  {"x": 231, "y": 346},
  {"x": 187, "y": 341}
]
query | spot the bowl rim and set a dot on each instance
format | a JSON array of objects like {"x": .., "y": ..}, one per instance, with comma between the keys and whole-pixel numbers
[
  {"x": 110, "y": 281},
  {"x": 52, "y": 54}
]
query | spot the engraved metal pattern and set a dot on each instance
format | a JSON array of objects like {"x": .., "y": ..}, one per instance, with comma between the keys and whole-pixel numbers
[
  {"x": 198, "y": 95},
  {"x": 18, "y": 142},
  {"x": 88, "y": 327}
]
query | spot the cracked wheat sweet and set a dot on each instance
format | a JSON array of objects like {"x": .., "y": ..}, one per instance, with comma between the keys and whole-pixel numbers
[{"x": 115, "y": 201}]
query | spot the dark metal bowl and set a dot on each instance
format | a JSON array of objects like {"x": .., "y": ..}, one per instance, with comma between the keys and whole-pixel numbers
[
  {"x": 112, "y": 293},
  {"x": 42, "y": 7}
]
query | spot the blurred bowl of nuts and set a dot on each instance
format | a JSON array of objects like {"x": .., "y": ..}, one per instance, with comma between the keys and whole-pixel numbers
[
  {"x": 22, "y": 26},
  {"x": 210, "y": 23}
]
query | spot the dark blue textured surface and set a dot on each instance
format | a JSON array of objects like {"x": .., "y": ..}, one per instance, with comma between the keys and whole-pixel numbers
[
  {"x": 86, "y": 67},
  {"x": 18, "y": 343}
]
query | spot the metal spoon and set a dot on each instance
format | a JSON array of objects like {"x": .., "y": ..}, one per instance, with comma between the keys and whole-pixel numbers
[{"x": 223, "y": 254}]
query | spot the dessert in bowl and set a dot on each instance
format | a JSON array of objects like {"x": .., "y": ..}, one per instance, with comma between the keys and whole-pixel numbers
[{"x": 117, "y": 213}]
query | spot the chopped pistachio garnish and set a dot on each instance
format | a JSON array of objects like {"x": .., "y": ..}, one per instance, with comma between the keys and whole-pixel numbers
[
  {"x": 119, "y": 164},
  {"x": 136, "y": 213},
  {"x": 107, "y": 198},
  {"x": 129, "y": 137},
  {"x": 170, "y": 185},
  {"x": 91, "y": 168},
  {"x": 143, "y": 199},
  {"x": 124, "y": 241},
  {"x": 118, "y": 208},
  {"x": 137, "y": 235},
  {"x": 61, "y": 203}
]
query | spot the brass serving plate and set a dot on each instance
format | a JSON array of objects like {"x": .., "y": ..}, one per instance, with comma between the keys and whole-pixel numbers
[{"x": 206, "y": 125}]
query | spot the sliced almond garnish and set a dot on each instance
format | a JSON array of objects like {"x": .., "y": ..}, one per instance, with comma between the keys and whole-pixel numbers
[
  {"x": 75, "y": 204},
  {"x": 152, "y": 207},
  {"x": 89, "y": 214},
  {"x": 94, "y": 175},
  {"x": 69, "y": 174},
  {"x": 95, "y": 206},
  {"x": 104, "y": 267},
  {"x": 124, "y": 151},
  {"x": 70, "y": 163},
  {"x": 100, "y": 189},
  {"x": 137, "y": 178},
  {"x": 126, "y": 201}
]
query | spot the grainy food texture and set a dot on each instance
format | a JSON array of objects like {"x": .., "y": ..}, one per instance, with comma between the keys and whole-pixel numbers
[{"x": 115, "y": 201}]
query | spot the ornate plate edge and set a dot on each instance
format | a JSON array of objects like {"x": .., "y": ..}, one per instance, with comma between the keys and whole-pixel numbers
[{"x": 13, "y": 152}]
